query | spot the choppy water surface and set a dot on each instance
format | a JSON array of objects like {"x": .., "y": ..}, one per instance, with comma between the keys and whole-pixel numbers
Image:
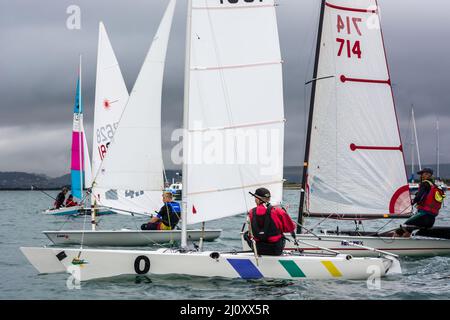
[{"x": 21, "y": 223}]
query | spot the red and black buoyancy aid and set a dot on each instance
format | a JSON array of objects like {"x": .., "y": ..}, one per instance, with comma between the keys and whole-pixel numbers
[
  {"x": 264, "y": 228},
  {"x": 433, "y": 201}
]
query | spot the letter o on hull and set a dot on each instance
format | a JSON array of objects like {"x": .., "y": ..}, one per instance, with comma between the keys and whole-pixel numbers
[{"x": 142, "y": 265}]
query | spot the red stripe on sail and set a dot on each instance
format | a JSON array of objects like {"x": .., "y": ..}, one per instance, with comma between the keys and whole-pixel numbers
[
  {"x": 354, "y": 147},
  {"x": 349, "y": 9},
  {"x": 345, "y": 79}
]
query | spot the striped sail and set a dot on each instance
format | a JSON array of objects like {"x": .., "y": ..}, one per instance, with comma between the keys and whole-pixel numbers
[
  {"x": 356, "y": 165},
  {"x": 77, "y": 157},
  {"x": 234, "y": 121},
  {"x": 131, "y": 173}
]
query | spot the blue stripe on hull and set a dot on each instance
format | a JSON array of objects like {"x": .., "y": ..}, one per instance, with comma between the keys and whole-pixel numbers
[{"x": 245, "y": 268}]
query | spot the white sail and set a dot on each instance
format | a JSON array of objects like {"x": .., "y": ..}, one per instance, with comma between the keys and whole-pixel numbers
[
  {"x": 111, "y": 96},
  {"x": 235, "y": 108},
  {"x": 356, "y": 165},
  {"x": 132, "y": 171},
  {"x": 86, "y": 162}
]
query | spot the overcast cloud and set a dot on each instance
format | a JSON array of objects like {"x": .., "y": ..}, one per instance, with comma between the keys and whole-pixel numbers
[{"x": 39, "y": 60}]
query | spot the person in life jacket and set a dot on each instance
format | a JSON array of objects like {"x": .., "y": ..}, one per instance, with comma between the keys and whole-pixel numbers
[
  {"x": 59, "y": 201},
  {"x": 428, "y": 200},
  {"x": 167, "y": 217},
  {"x": 70, "y": 202},
  {"x": 268, "y": 225}
]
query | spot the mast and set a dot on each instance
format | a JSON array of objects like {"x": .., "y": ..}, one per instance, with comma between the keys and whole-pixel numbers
[
  {"x": 412, "y": 145},
  {"x": 311, "y": 113},
  {"x": 437, "y": 150},
  {"x": 81, "y": 144},
  {"x": 417, "y": 141},
  {"x": 80, "y": 141},
  {"x": 187, "y": 67}
]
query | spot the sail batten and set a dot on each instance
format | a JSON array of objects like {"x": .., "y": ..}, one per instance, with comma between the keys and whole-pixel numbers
[
  {"x": 355, "y": 160},
  {"x": 250, "y": 65}
]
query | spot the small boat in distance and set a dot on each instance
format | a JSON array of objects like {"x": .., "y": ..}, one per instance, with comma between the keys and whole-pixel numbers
[
  {"x": 81, "y": 173},
  {"x": 176, "y": 188}
]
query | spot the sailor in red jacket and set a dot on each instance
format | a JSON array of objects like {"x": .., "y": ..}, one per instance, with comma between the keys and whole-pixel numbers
[
  {"x": 268, "y": 225},
  {"x": 70, "y": 202}
]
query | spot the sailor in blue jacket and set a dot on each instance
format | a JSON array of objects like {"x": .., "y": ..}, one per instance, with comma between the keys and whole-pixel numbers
[{"x": 167, "y": 217}]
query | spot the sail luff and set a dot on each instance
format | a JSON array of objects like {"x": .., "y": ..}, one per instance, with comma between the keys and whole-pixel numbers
[
  {"x": 80, "y": 137},
  {"x": 187, "y": 69}
]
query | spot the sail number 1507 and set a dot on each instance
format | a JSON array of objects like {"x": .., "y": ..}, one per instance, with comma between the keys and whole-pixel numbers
[{"x": 237, "y": 1}]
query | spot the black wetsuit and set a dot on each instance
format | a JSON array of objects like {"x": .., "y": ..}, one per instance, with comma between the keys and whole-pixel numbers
[{"x": 60, "y": 198}]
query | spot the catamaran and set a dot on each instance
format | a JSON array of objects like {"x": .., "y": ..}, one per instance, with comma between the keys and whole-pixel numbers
[
  {"x": 354, "y": 164},
  {"x": 233, "y": 87},
  {"x": 128, "y": 172},
  {"x": 81, "y": 173}
]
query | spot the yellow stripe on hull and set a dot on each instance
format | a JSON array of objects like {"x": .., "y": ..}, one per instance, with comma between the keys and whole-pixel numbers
[{"x": 332, "y": 269}]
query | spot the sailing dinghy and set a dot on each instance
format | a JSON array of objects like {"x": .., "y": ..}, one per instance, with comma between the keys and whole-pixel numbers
[
  {"x": 81, "y": 173},
  {"x": 129, "y": 171},
  {"x": 354, "y": 165},
  {"x": 233, "y": 80}
]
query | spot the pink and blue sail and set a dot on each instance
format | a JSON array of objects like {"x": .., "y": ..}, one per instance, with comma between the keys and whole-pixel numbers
[{"x": 77, "y": 162}]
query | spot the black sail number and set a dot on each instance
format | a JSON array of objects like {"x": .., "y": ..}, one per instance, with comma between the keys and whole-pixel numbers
[
  {"x": 146, "y": 266},
  {"x": 237, "y": 1}
]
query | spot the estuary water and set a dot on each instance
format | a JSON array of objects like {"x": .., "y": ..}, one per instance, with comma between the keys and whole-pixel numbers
[{"x": 21, "y": 223}]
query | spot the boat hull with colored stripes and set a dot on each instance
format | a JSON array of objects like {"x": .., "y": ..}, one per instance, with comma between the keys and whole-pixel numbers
[
  {"x": 77, "y": 210},
  {"x": 89, "y": 264},
  {"x": 126, "y": 238},
  {"x": 414, "y": 246}
]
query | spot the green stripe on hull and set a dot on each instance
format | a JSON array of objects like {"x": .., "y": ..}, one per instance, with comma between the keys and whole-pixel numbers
[{"x": 292, "y": 268}]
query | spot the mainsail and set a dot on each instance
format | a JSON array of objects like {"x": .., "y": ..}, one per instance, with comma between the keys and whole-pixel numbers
[
  {"x": 355, "y": 166},
  {"x": 132, "y": 171},
  {"x": 234, "y": 118},
  {"x": 78, "y": 152},
  {"x": 111, "y": 96}
]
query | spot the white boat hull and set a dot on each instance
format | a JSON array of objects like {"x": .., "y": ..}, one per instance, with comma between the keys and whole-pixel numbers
[
  {"x": 124, "y": 238},
  {"x": 88, "y": 264},
  {"x": 399, "y": 246},
  {"x": 77, "y": 210}
]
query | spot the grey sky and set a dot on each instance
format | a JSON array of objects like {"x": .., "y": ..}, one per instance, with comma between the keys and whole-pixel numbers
[{"x": 39, "y": 60}]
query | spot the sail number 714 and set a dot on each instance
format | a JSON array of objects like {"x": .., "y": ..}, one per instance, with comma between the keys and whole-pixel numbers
[{"x": 349, "y": 25}]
